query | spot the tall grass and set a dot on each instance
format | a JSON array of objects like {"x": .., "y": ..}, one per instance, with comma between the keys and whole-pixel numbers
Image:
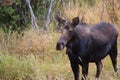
[
  {"x": 33, "y": 55},
  {"x": 13, "y": 68},
  {"x": 93, "y": 14}
]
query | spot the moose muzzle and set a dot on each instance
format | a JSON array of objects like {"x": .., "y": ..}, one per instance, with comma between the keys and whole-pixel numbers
[{"x": 60, "y": 46}]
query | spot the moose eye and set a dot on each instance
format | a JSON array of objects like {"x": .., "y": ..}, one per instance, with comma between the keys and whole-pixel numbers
[{"x": 67, "y": 27}]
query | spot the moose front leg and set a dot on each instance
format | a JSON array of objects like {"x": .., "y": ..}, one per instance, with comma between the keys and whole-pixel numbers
[
  {"x": 85, "y": 70},
  {"x": 75, "y": 69},
  {"x": 99, "y": 68},
  {"x": 74, "y": 65}
]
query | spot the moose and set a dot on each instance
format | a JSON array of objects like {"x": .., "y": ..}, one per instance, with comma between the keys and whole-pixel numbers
[{"x": 85, "y": 44}]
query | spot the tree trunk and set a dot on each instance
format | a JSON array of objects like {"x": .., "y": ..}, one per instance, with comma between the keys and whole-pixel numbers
[
  {"x": 48, "y": 15},
  {"x": 33, "y": 21}
]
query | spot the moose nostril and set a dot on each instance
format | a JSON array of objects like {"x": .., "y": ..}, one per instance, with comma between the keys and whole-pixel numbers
[{"x": 59, "y": 46}]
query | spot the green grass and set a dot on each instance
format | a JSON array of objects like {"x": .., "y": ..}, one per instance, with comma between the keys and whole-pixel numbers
[
  {"x": 16, "y": 68},
  {"x": 13, "y": 67}
]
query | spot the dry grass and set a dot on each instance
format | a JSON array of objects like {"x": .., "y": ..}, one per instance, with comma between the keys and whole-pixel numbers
[
  {"x": 45, "y": 63},
  {"x": 35, "y": 57},
  {"x": 93, "y": 14},
  {"x": 31, "y": 42}
]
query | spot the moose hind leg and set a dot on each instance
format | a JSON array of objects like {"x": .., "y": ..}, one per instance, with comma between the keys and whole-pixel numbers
[
  {"x": 99, "y": 66},
  {"x": 113, "y": 55}
]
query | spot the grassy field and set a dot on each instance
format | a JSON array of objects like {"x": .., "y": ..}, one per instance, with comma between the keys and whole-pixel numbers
[{"x": 34, "y": 56}]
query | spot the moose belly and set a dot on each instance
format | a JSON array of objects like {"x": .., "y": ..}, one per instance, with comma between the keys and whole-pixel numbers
[
  {"x": 97, "y": 57},
  {"x": 99, "y": 53}
]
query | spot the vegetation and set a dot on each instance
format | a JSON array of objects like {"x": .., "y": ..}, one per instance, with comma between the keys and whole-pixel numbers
[{"x": 32, "y": 55}]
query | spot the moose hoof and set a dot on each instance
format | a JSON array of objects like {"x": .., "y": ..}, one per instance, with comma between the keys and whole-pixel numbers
[
  {"x": 96, "y": 78},
  {"x": 117, "y": 73}
]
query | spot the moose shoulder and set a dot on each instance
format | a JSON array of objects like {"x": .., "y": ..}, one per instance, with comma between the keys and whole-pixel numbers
[{"x": 86, "y": 44}]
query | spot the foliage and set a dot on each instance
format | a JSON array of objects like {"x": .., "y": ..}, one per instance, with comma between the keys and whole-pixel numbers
[
  {"x": 16, "y": 16},
  {"x": 10, "y": 17}
]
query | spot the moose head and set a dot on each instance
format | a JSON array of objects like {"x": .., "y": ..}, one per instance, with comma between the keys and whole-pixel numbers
[{"x": 67, "y": 31}]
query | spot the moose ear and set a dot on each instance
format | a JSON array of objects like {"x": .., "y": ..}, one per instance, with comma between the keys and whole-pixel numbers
[
  {"x": 75, "y": 21},
  {"x": 60, "y": 19}
]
